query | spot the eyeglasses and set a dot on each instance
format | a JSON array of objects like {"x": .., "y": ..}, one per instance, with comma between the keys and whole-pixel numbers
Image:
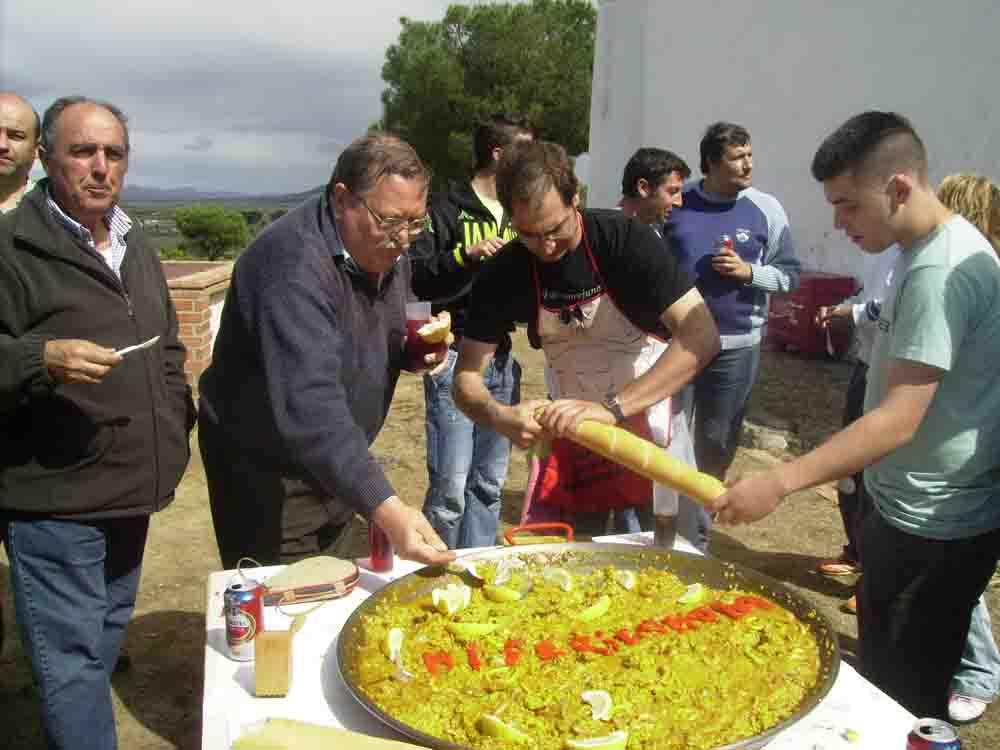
[
  {"x": 393, "y": 226},
  {"x": 555, "y": 234}
]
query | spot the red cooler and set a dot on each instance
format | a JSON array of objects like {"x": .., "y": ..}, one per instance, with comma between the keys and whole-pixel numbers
[{"x": 790, "y": 323}]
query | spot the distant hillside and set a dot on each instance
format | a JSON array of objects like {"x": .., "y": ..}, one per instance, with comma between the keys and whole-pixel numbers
[{"x": 141, "y": 194}]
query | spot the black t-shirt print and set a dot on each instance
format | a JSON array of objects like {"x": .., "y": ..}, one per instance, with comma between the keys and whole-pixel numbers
[{"x": 636, "y": 266}]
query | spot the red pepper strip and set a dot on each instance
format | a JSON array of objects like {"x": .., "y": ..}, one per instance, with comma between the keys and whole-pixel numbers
[
  {"x": 728, "y": 610},
  {"x": 582, "y": 644},
  {"x": 432, "y": 662},
  {"x": 472, "y": 650},
  {"x": 511, "y": 656},
  {"x": 612, "y": 644},
  {"x": 547, "y": 651},
  {"x": 754, "y": 601},
  {"x": 651, "y": 626},
  {"x": 678, "y": 623},
  {"x": 626, "y": 637},
  {"x": 435, "y": 660},
  {"x": 512, "y": 651},
  {"x": 703, "y": 614}
]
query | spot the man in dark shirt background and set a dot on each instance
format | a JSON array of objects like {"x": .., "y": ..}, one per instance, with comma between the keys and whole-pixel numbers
[{"x": 467, "y": 463}]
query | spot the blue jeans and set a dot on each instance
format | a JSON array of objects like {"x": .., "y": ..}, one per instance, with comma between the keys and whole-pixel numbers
[
  {"x": 721, "y": 392},
  {"x": 978, "y": 673},
  {"x": 466, "y": 462},
  {"x": 74, "y": 587}
]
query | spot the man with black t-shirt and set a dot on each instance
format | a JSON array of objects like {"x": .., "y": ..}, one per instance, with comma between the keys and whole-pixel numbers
[{"x": 600, "y": 297}]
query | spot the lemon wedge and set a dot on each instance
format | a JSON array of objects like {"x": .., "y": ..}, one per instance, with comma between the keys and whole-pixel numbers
[
  {"x": 694, "y": 594},
  {"x": 559, "y": 577},
  {"x": 595, "y": 610},
  {"x": 492, "y": 726},
  {"x": 394, "y": 644},
  {"x": 600, "y": 704},
  {"x": 506, "y": 569},
  {"x": 501, "y": 593},
  {"x": 614, "y": 741},
  {"x": 626, "y": 579},
  {"x": 452, "y": 598}
]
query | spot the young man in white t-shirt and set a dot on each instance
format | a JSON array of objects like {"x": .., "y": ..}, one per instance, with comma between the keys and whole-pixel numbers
[{"x": 929, "y": 440}]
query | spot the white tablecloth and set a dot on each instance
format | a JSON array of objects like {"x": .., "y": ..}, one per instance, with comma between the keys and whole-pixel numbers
[{"x": 854, "y": 709}]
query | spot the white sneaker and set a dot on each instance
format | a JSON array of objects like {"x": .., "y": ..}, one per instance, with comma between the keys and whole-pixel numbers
[{"x": 964, "y": 709}]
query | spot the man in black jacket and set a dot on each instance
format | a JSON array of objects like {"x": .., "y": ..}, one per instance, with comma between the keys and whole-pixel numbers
[
  {"x": 92, "y": 439},
  {"x": 467, "y": 463},
  {"x": 306, "y": 361}
]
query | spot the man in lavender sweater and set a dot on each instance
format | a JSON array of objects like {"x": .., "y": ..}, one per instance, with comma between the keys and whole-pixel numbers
[{"x": 735, "y": 279}]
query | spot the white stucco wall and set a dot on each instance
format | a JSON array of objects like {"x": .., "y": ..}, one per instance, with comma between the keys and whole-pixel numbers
[{"x": 791, "y": 72}]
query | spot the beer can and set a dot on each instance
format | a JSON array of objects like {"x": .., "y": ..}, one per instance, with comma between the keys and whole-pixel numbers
[
  {"x": 380, "y": 549},
  {"x": 933, "y": 734},
  {"x": 242, "y": 603}
]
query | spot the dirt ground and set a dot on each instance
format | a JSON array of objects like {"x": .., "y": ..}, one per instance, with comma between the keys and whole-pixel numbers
[{"x": 158, "y": 701}]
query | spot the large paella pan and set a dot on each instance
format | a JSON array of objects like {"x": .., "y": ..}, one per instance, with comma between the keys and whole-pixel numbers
[{"x": 583, "y": 560}]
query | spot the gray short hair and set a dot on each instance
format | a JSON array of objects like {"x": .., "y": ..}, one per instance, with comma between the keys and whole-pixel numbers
[
  {"x": 55, "y": 110},
  {"x": 370, "y": 158}
]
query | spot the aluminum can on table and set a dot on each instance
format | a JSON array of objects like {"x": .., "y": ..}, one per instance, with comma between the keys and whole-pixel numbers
[
  {"x": 243, "y": 608},
  {"x": 933, "y": 734}
]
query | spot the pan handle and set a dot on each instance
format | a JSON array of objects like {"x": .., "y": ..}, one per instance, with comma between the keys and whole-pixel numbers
[{"x": 552, "y": 526}]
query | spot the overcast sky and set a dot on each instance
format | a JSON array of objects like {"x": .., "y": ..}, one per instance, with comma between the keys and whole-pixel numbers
[{"x": 251, "y": 96}]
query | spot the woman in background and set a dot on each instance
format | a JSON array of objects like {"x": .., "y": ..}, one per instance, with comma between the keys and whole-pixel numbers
[{"x": 977, "y": 681}]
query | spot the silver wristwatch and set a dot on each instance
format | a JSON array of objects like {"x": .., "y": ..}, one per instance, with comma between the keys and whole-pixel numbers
[{"x": 613, "y": 405}]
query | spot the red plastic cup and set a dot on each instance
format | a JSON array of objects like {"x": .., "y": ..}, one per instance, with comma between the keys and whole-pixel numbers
[
  {"x": 380, "y": 549},
  {"x": 419, "y": 314}
]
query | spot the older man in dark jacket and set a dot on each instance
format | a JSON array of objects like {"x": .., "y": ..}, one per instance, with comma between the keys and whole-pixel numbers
[
  {"x": 93, "y": 439},
  {"x": 305, "y": 365}
]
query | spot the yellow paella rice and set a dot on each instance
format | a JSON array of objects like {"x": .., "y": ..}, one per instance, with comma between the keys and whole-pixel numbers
[{"x": 671, "y": 666}]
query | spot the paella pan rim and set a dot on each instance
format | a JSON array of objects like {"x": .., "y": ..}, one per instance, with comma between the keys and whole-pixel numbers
[{"x": 688, "y": 567}]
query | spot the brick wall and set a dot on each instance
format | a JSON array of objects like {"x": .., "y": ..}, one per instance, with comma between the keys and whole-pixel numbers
[{"x": 198, "y": 291}]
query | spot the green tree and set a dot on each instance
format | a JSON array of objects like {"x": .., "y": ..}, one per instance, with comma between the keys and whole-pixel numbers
[
  {"x": 534, "y": 58},
  {"x": 212, "y": 231},
  {"x": 253, "y": 216}
]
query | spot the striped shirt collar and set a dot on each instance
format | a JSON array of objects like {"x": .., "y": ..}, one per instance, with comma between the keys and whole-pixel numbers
[{"x": 117, "y": 222}]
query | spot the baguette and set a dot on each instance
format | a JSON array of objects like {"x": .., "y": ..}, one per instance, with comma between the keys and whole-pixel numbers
[
  {"x": 289, "y": 734},
  {"x": 436, "y": 330},
  {"x": 647, "y": 460}
]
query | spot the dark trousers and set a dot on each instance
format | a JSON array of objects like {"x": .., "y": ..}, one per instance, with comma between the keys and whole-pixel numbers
[
  {"x": 915, "y": 600},
  {"x": 721, "y": 392},
  {"x": 75, "y": 585},
  {"x": 852, "y": 497},
  {"x": 261, "y": 514}
]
